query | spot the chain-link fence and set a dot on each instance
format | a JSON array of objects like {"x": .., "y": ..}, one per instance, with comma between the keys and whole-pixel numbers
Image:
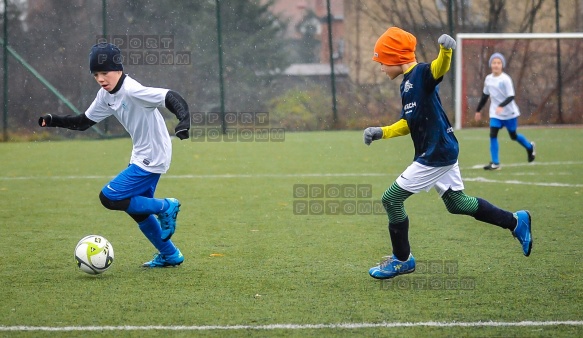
[{"x": 274, "y": 55}]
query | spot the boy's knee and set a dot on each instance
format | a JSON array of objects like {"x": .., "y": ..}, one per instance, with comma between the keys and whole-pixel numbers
[
  {"x": 113, "y": 205},
  {"x": 457, "y": 202},
  {"x": 513, "y": 135},
  {"x": 451, "y": 202},
  {"x": 390, "y": 203},
  {"x": 385, "y": 198},
  {"x": 139, "y": 218},
  {"x": 493, "y": 132}
]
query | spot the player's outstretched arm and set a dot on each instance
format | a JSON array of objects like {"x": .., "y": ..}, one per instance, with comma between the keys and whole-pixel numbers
[
  {"x": 178, "y": 106},
  {"x": 440, "y": 66},
  {"x": 78, "y": 122},
  {"x": 398, "y": 128}
]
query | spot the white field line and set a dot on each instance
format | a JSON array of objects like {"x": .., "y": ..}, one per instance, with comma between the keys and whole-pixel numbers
[
  {"x": 304, "y": 175},
  {"x": 540, "y": 184},
  {"x": 291, "y": 326},
  {"x": 226, "y": 176},
  {"x": 532, "y": 164},
  {"x": 204, "y": 176}
]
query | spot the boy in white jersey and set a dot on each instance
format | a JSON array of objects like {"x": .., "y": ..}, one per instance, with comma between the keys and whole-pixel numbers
[
  {"x": 435, "y": 163},
  {"x": 503, "y": 110},
  {"x": 136, "y": 108}
]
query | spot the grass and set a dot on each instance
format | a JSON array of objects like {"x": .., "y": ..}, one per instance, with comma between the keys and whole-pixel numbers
[{"x": 251, "y": 261}]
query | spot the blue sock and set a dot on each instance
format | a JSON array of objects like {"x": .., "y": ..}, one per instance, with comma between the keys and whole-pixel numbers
[
  {"x": 151, "y": 229},
  {"x": 523, "y": 141},
  {"x": 140, "y": 205},
  {"x": 494, "y": 150}
]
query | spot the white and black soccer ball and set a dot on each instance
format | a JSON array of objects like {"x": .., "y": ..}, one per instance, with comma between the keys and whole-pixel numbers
[{"x": 94, "y": 254}]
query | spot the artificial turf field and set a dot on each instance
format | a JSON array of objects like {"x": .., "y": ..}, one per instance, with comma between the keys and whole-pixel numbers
[{"x": 257, "y": 265}]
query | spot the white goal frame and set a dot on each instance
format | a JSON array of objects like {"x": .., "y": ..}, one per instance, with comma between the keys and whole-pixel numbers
[{"x": 492, "y": 36}]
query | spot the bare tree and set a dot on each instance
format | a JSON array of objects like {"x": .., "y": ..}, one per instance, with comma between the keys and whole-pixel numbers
[{"x": 495, "y": 15}]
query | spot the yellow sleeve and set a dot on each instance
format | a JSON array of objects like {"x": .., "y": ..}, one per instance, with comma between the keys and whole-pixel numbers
[
  {"x": 440, "y": 66},
  {"x": 398, "y": 128}
]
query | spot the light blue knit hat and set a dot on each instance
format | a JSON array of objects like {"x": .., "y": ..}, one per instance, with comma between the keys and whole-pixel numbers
[{"x": 497, "y": 56}]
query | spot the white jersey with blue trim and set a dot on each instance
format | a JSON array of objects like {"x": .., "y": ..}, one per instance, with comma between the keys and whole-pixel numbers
[
  {"x": 499, "y": 88},
  {"x": 136, "y": 108}
]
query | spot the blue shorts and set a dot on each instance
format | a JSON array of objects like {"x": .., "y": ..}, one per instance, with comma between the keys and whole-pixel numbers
[
  {"x": 133, "y": 181},
  {"x": 511, "y": 124}
]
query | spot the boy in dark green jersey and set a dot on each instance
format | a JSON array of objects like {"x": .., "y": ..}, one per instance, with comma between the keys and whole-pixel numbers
[{"x": 435, "y": 163}]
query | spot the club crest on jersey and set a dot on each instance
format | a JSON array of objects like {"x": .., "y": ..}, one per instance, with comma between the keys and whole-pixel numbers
[{"x": 408, "y": 86}]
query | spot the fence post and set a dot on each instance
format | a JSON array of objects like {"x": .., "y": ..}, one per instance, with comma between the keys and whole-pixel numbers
[
  {"x": 221, "y": 80},
  {"x": 332, "y": 75},
  {"x": 559, "y": 75},
  {"x": 5, "y": 81}
]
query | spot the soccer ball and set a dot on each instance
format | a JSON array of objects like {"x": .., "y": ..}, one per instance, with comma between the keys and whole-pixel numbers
[{"x": 93, "y": 254}]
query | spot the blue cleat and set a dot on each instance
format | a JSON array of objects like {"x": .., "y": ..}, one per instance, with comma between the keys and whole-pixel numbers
[
  {"x": 167, "y": 218},
  {"x": 392, "y": 267},
  {"x": 163, "y": 261},
  {"x": 523, "y": 231}
]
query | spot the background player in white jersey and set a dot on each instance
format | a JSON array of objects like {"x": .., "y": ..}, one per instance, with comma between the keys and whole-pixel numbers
[
  {"x": 135, "y": 106},
  {"x": 435, "y": 164},
  {"x": 503, "y": 110}
]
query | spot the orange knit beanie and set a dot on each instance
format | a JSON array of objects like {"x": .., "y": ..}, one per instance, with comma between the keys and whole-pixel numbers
[{"x": 395, "y": 47}]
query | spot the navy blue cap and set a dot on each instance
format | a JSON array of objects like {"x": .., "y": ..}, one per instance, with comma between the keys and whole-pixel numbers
[{"x": 105, "y": 57}]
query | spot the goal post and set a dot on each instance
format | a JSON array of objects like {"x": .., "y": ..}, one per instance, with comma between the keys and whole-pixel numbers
[{"x": 533, "y": 61}]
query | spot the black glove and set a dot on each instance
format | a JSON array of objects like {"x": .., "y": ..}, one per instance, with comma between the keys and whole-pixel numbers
[
  {"x": 182, "y": 129},
  {"x": 47, "y": 119}
]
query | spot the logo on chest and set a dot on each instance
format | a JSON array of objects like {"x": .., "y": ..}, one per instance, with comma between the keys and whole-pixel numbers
[
  {"x": 408, "y": 85},
  {"x": 408, "y": 108}
]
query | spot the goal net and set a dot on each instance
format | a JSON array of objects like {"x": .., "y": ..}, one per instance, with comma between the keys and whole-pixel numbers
[{"x": 546, "y": 69}]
